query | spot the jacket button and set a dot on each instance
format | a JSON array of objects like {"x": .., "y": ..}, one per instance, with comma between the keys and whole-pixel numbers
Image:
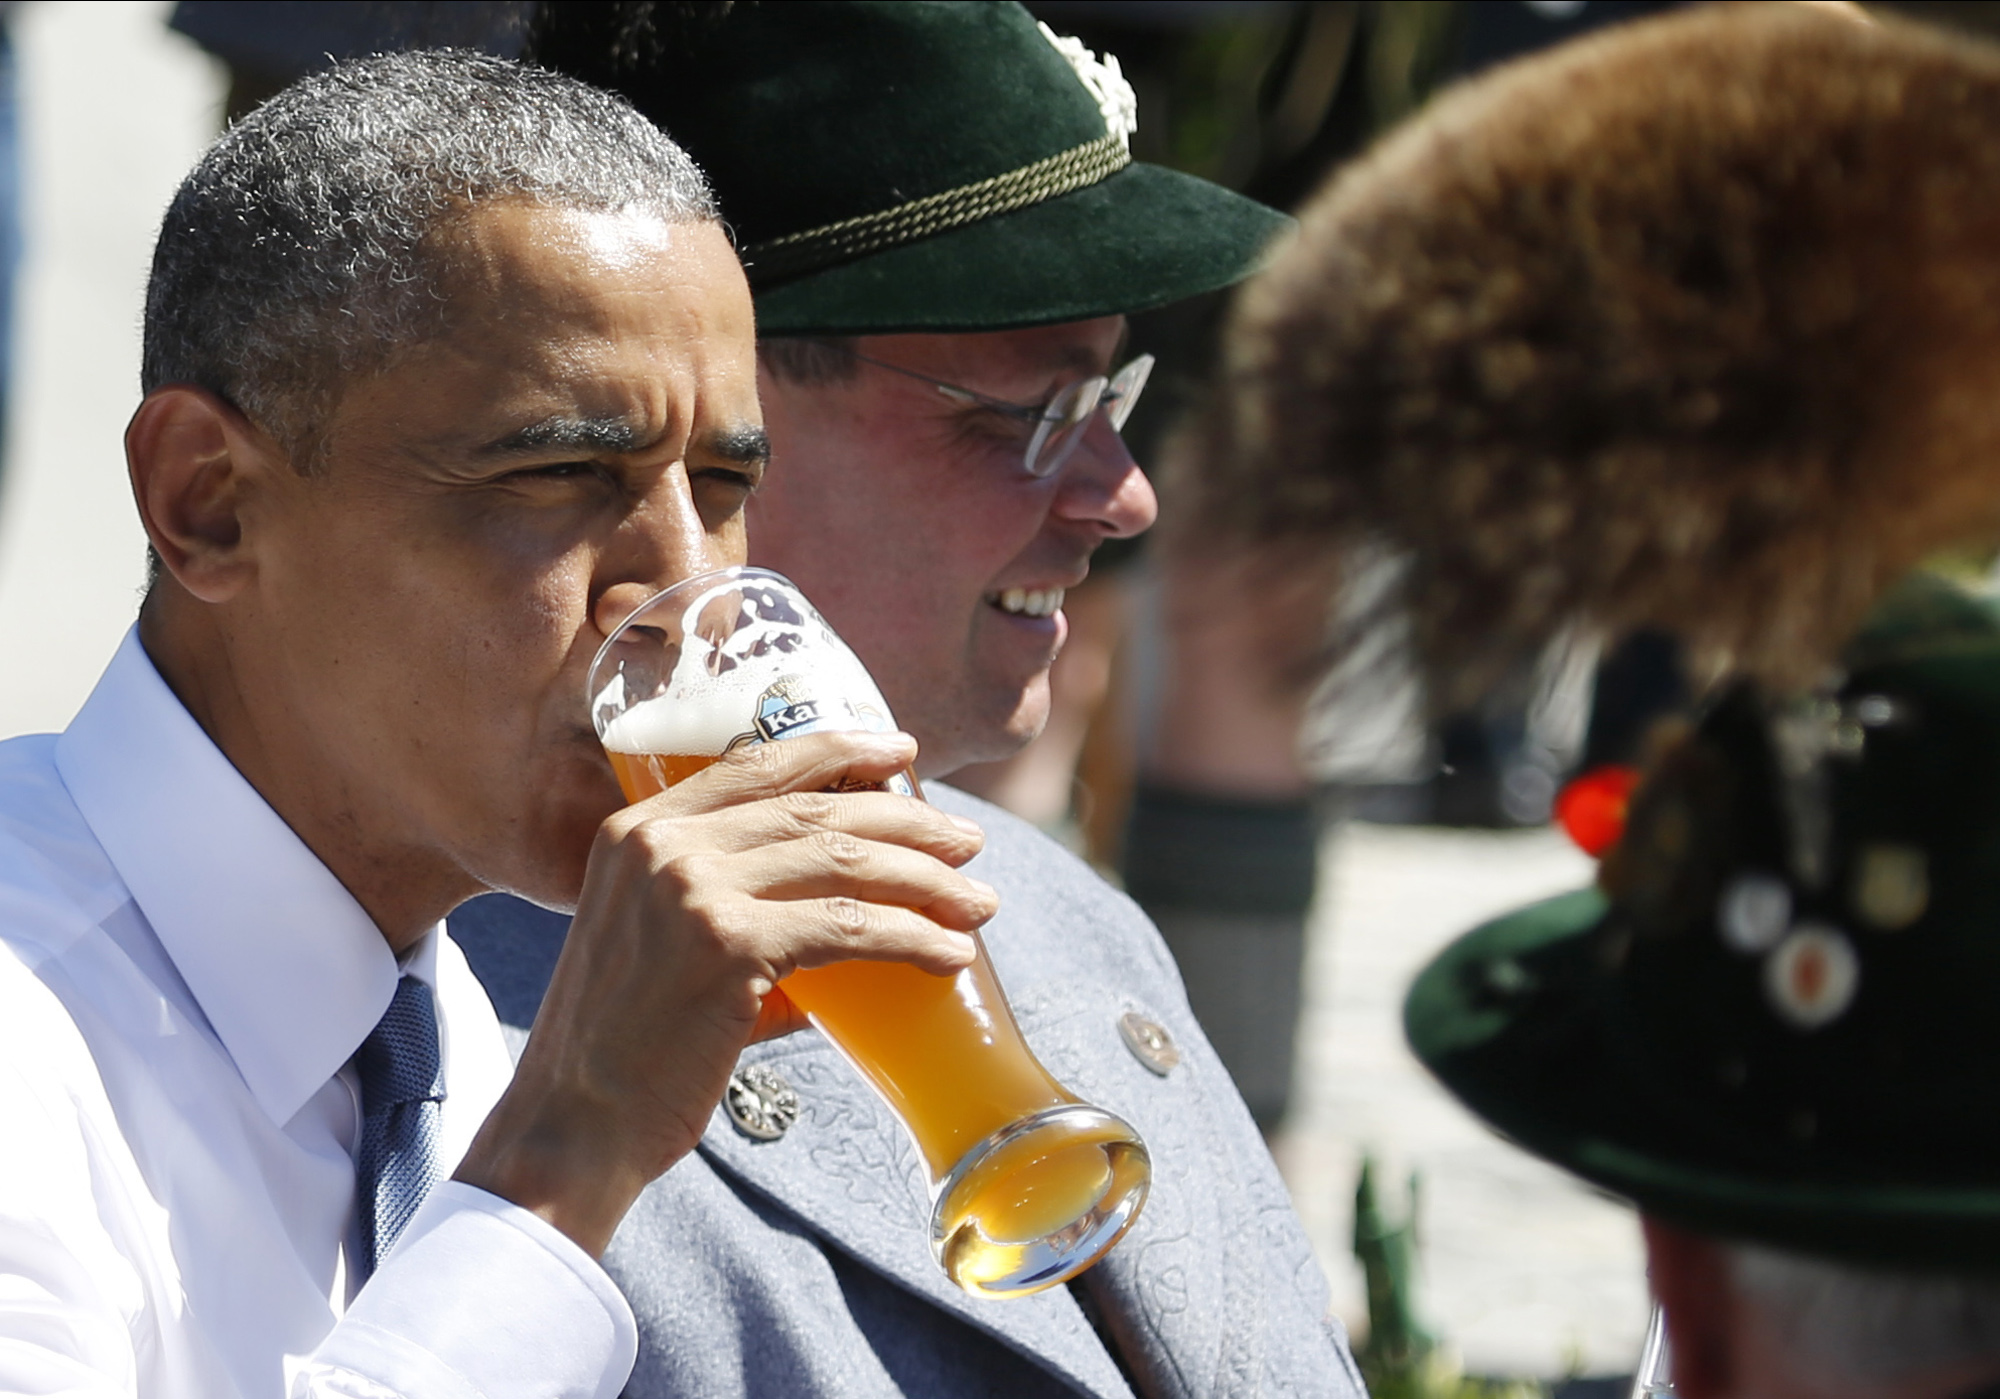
[
  {"x": 760, "y": 1103},
  {"x": 1149, "y": 1042}
]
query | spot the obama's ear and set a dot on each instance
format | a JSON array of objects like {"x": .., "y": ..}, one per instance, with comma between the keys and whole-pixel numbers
[
  {"x": 196, "y": 463},
  {"x": 1692, "y": 1280}
]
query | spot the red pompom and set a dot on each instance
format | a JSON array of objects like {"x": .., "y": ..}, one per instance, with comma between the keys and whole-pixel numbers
[{"x": 1592, "y": 807}]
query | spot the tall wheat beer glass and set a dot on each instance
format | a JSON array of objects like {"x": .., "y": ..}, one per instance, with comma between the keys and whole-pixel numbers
[{"x": 1029, "y": 1184}]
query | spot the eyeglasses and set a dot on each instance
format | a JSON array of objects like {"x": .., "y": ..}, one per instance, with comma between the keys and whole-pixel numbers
[{"x": 1060, "y": 423}]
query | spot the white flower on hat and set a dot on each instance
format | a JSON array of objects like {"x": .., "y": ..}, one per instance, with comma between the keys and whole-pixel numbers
[{"x": 1105, "y": 82}]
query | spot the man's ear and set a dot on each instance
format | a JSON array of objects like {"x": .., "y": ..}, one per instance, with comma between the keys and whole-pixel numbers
[
  {"x": 195, "y": 461},
  {"x": 1691, "y": 1279}
]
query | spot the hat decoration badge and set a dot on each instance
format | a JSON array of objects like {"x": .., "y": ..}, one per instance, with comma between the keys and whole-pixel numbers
[{"x": 1810, "y": 968}]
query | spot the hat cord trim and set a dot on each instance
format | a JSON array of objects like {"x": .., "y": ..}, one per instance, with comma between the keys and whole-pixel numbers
[{"x": 1059, "y": 174}]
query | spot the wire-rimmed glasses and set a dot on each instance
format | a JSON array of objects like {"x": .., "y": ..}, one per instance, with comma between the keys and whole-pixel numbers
[{"x": 1060, "y": 423}]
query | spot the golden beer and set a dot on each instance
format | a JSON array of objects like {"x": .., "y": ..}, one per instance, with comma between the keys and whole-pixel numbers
[{"x": 946, "y": 1054}]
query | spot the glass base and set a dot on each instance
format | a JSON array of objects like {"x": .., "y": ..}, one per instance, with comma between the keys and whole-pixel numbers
[{"x": 1039, "y": 1201}]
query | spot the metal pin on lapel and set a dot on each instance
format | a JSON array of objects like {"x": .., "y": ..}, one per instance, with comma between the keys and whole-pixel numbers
[{"x": 760, "y": 1103}]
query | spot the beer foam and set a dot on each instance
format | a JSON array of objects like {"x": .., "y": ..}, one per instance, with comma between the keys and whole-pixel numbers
[
  {"x": 681, "y": 723},
  {"x": 781, "y": 672}
]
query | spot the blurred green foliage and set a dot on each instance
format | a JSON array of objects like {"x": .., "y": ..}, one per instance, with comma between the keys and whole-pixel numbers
[{"x": 1401, "y": 1359}]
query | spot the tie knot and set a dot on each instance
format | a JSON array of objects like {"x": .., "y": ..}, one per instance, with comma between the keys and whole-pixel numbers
[{"x": 399, "y": 1061}]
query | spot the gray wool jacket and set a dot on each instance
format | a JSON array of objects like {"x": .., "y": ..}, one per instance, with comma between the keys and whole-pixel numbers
[{"x": 800, "y": 1268}]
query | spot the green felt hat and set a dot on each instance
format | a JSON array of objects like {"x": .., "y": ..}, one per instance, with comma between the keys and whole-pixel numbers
[
  {"x": 890, "y": 165},
  {"x": 1778, "y": 1018}
]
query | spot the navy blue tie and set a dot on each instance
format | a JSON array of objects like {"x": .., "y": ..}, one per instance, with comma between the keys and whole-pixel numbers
[{"x": 402, "y": 1092}]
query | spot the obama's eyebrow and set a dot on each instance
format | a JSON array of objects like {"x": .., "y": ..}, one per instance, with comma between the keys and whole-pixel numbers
[
  {"x": 587, "y": 437},
  {"x": 744, "y": 444}
]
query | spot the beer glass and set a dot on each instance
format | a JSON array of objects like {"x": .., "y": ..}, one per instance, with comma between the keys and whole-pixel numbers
[{"x": 1029, "y": 1184}]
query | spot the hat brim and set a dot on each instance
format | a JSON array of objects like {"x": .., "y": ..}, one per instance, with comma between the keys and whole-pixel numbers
[
  {"x": 1491, "y": 1018},
  {"x": 1144, "y": 237}
]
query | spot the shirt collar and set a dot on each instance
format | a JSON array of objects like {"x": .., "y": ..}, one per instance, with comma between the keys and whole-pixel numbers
[{"x": 288, "y": 968}]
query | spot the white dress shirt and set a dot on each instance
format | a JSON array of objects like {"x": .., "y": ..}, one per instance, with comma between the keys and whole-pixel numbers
[{"x": 182, "y": 984}]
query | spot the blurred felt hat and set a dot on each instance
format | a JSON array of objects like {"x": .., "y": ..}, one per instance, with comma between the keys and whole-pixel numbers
[
  {"x": 1775, "y": 1018},
  {"x": 899, "y": 165}
]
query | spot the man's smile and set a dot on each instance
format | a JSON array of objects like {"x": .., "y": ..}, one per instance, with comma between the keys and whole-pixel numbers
[{"x": 1028, "y": 602}]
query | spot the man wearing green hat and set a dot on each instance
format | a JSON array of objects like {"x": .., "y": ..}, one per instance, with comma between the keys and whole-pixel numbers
[
  {"x": 944, "y": 229},
  {"x": 1771, "y": 1025}
]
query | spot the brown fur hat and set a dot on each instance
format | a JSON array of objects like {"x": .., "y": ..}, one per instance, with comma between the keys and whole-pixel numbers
[{"x": 1695, "y": 323}]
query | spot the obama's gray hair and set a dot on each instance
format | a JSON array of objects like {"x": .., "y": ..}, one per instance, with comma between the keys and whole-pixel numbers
[
  {"x": 1861, "y": 1324},
  {"x": 299, "y": 252}
]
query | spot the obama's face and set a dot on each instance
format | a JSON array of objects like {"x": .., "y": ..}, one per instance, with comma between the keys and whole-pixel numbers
[{"x": 411, "y": 621}]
